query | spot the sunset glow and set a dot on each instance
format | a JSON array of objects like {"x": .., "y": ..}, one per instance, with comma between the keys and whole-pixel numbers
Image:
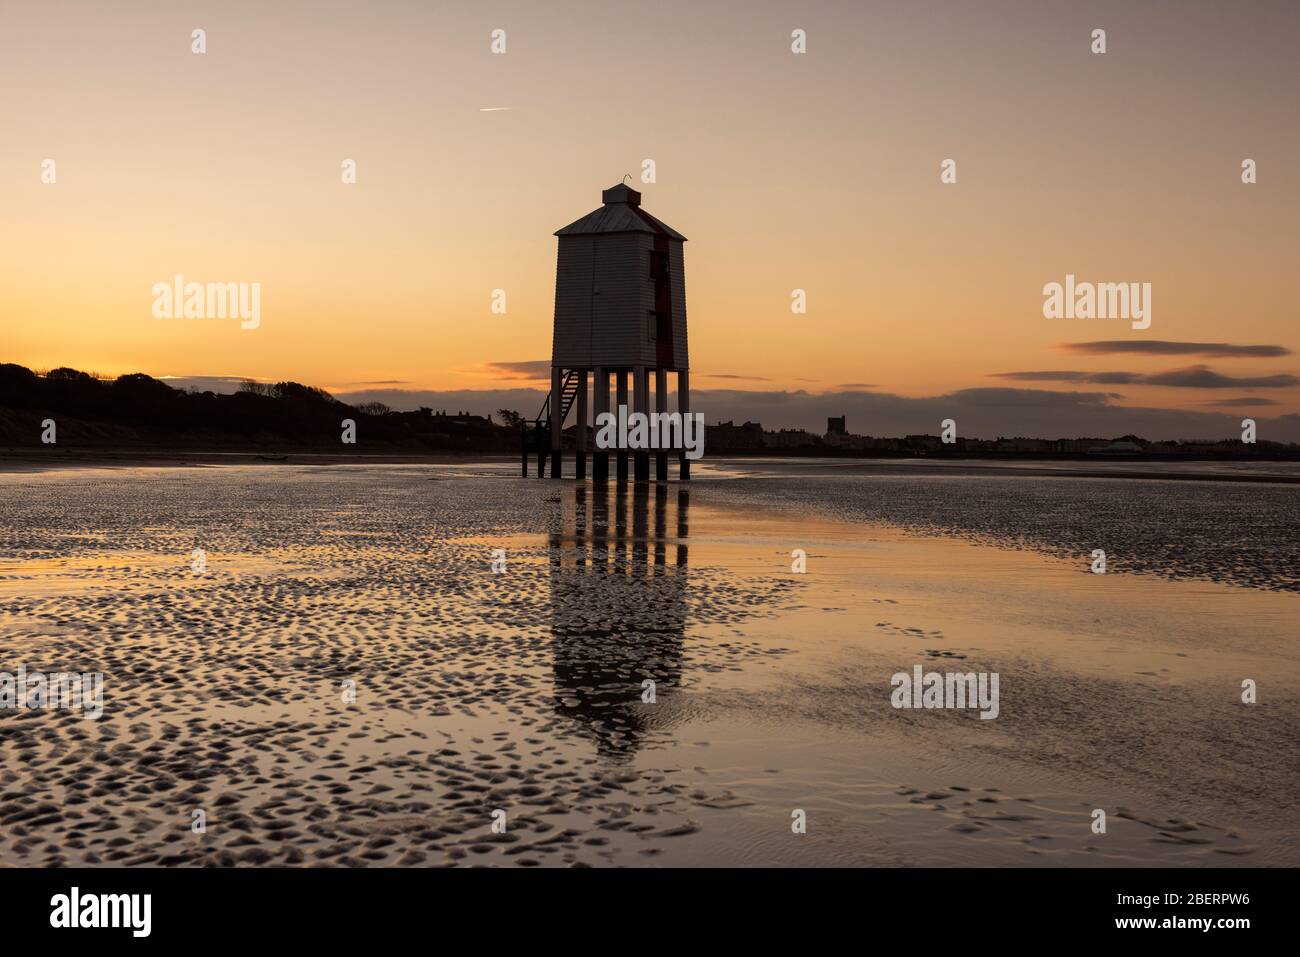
[{"x": 816, "y": 172}]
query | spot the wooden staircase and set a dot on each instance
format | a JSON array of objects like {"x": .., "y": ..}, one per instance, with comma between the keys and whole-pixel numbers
[
  {"x": 536, "y": 433},
  {"x": 568, "y": 393}
]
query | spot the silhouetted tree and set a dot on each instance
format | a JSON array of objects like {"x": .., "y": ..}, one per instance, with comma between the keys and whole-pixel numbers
[
  {"x": 71, "y": 389},
  {"x": 249, "y": 387},
  {"x": 18, "y": 384},
  {"x": 296, "y": 390}
]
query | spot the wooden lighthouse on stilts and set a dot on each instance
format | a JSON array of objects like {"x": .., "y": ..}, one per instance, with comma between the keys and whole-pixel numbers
[{"x": 620, "y": 311}]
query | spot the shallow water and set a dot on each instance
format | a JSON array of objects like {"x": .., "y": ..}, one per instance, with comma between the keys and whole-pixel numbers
[
  {"x": 523, "y": 691},
  {"x": 1232, "y": 532}
]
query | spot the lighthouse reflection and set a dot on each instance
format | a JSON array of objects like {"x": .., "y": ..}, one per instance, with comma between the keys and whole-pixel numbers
[{"x": 618, "y": 609}]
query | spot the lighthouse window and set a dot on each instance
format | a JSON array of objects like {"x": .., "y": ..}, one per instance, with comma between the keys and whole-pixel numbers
[
  {"x": 658, "y": 325},
  {"x": 658, "y": 265}
]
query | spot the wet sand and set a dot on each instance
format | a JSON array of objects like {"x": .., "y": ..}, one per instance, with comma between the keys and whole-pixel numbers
[{"x": 522, "y": 691}]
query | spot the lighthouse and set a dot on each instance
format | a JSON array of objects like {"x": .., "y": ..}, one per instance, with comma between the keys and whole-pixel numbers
[{"x": 620, "y": 314}]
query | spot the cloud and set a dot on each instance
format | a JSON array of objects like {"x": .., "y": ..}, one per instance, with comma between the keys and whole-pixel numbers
[
  {"x": 1192, "y": 377},
  {"x": 1095, "y": 378},
  {"x": 1241, "y": 400},
  {"x": 225, "y": 384},
  {"x": 221, "y": 384},
  {"x": 1025, "y": 398},
  {"x": 531, "y": 370},
  {"x": 732, "y": 375},
  {"x": 477, "y": 401},
  {"x": 1163, "y": 347},
  {"x": 1114, "y": 378},
  {"x": 982, "y": 412},
  {"x": 1040, "y": 376},
  {"x": 856, "y": 385},
  {"x": 1203, "y": 377}
]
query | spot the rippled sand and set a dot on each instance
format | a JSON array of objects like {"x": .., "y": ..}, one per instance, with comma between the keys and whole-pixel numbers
[{"x": 523, "y": 691}]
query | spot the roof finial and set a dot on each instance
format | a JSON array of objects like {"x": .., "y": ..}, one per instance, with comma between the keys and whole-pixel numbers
[{"x": 625, "y": 176}]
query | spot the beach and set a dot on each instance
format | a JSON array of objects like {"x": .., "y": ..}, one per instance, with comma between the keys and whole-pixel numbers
[{"x": 424, "y": 665}]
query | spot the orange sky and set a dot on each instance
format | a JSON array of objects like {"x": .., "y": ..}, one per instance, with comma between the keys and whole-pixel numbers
[{"x": 817, "y": 171}]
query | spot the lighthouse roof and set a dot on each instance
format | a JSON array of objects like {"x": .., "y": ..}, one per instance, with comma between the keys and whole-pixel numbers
[{"x": 620, "y": 212}]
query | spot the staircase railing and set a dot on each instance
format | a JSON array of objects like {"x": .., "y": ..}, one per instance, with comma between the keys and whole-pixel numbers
[{"x": 536, "y": 432}]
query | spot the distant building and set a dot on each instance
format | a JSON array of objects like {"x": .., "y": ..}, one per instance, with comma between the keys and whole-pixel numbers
[
  {"x": 460, "y": 431},
  {"x": 729, "y": 436},
  {"x": 1118, "y": 448},
  {"x": 791, "y": 439},
  {"x": 836, "y": 426},
  {"x": 458, "y": 420}
]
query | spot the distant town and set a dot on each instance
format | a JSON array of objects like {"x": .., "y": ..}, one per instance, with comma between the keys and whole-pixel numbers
[
  {"x": 751, "y": 437},
  {"x": 134, "y": 412}
]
